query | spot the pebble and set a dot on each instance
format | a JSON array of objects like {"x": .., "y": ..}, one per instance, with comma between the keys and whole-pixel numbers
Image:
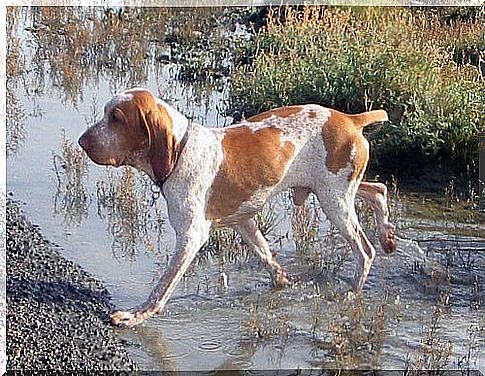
[{"x": 57, "y": 314}]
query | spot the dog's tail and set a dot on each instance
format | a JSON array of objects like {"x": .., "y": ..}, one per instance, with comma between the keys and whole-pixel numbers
[{"x": 366, "y": 118}]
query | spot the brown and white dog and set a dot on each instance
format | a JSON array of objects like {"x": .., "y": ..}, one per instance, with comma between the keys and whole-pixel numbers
[{"x": 223, "y": 176}]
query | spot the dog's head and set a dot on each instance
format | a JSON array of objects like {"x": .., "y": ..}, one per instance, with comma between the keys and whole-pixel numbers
[{"x": 136, "y": 130}]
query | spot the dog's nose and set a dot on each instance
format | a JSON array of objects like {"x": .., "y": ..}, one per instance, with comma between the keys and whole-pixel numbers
[{"x": 84, "y": 141}]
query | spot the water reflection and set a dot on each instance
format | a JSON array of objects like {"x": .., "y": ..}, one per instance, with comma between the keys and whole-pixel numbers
[
  {"x": 124, "y": 201},
  {"x": 70, "y": 47},
  {"x": 71, "y": 171},
  {"x": 75, "y": 45},
  {"x": 154, "y": 342},
  {"x": 15, "y": 112},
  {"x": 15, "y": 125}
]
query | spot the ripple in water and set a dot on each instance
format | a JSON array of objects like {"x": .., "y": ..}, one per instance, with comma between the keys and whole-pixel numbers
[
  {"x": 182, "y": 354},
  {"x": 210, "y": 346}
]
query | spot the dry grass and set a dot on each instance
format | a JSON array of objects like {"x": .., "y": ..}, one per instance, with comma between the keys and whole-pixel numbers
[
  {"x": 267, "y": 322},
  {"x": 318, "y": 244},
  {"x": 357, "y": 332},
  {"x": 305, "y": 224},
  {"x": 224, "y": 244},
  {"x": 470, "y": 361},
  {"x": 434, "y": 352}
]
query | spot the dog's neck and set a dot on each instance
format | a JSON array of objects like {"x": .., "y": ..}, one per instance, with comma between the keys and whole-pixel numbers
[
  {"x": 159, "y": 180},
  {"x": 141, "y": 161},
  {"x": 180, "y": 122},
  {"x": 180, "y": 128}
]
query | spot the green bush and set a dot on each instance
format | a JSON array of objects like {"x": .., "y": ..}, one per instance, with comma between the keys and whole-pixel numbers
[{"x": 355, "y": 59}]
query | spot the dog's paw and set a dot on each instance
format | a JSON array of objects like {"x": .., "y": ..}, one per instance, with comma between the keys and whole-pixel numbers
[
  {"x": 125, "y": 318},
  {"x": 387, "y": 239},
  {"x": 280, "y": 279}
]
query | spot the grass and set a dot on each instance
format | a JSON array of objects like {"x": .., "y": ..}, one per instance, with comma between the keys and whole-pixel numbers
[
  {"x": 357, "y": 331},
  {"x": 355, "y": 59},
  {"x": 323, "y": 251},
  {"x": 266, "y": 321},
  {"x": 469, "y": 361}
]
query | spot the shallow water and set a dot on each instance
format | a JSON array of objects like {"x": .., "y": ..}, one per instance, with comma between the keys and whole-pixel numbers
[{"x": 422, "y": 307}]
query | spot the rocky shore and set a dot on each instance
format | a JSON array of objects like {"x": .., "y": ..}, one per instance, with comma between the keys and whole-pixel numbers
[{"x": 56, "y": 312}]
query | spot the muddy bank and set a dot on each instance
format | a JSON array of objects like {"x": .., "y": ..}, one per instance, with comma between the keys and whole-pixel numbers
[{"x": 56, "y": 312}]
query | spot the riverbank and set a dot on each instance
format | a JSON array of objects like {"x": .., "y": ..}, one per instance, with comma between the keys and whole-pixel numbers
[{"x": 56, "y": 312}]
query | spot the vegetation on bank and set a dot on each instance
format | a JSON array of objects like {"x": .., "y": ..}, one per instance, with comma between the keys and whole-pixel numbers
[{"x": 425, "y": 67}]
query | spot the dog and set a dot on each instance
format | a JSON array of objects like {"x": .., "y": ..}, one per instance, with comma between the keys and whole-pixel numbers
[{"x": 223, "y": 176}]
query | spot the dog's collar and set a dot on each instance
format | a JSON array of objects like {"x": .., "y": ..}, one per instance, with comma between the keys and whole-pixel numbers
[{"x": 159, "y": 182}]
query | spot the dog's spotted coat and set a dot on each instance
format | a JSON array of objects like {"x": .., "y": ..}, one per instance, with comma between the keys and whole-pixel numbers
[{"x": 222, "y": 177}]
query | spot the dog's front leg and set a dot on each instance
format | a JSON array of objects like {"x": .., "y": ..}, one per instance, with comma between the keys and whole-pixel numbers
[{"x": 192, "y": 231}]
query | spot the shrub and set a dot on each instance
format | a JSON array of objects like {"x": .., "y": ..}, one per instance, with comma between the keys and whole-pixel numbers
[{"x": 410, "y": 62}]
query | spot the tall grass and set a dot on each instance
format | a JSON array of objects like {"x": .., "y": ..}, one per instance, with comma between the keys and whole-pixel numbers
[{"x": 410, "y": 62}]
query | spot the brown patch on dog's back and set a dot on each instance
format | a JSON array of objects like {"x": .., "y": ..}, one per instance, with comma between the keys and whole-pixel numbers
[
  {"x": 252, "y": 161},
  {"x": 340, "y": 135},
  {"x": 282, "y": 112}
]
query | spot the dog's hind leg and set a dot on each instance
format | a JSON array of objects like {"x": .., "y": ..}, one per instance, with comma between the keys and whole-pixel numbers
[
  {"x": 340, "y": 210},
  {"x": 255, "y": 239}
]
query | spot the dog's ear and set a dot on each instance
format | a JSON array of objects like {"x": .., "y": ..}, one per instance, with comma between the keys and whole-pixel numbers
[{"x": 161, "y": 142}]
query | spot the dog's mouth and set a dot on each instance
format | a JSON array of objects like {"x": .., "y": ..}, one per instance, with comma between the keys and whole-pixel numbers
[
  {"x": 104, "y": 160},
  {"x": 99, "y": 155},
  {"x": 110, "y": 162}
]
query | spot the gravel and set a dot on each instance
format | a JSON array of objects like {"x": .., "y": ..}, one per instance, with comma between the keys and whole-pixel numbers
[{"x": 57, "y": 314}]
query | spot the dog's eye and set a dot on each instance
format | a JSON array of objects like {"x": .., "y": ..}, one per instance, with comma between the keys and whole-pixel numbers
[{"x": 116, "y": 116}]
